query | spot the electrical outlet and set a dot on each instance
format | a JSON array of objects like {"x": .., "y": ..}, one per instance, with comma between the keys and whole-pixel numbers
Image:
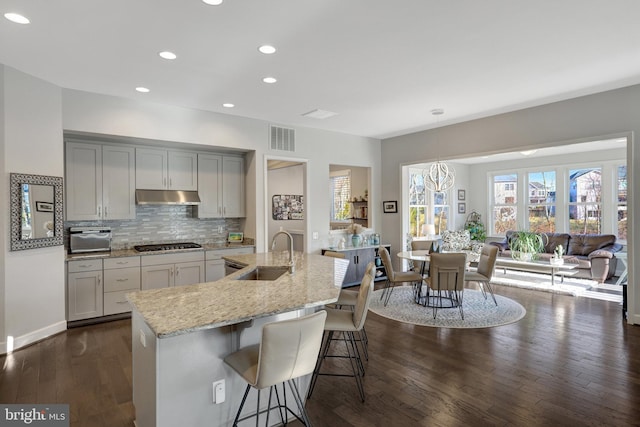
[
  {"x": 218, "y": 392},
  {"x": 220, "y": 229},
  {"x": 315, "y": 235}
]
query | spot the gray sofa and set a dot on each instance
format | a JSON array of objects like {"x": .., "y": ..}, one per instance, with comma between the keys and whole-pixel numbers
[{"x": 593, "y": 253}]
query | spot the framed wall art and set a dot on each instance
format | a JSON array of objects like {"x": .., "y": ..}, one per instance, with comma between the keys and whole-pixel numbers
[
  {"x": 390, "y": 206},
  {"x": 287, "y": 207}
]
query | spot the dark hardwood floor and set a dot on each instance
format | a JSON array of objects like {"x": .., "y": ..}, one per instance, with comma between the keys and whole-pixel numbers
[{"x": 569, "y": 362}]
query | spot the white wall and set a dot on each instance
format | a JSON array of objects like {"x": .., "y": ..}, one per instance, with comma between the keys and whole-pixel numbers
[
  {"x": 599, "y": 116},
  {"x": 33, "y": 281}
]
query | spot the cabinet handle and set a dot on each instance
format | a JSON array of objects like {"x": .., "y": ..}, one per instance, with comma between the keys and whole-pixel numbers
[
  {"x": 99, "y": 211},
  {"x": 224, "y": 210},
  {"x": 164, "y": 182},
  {"x": 84, "y": 266},
  {"x": 122, "y": 280},
  {"x": 177, "y": 270},
  {"x": 105, "y": 211},
  {"x": 170, "y": 183},
  {"x": 122, "y": 262},
  {"x": 171, "y": 271},
  {"x": 99, "y": 281},
  {"x": 121, "y": 302}
]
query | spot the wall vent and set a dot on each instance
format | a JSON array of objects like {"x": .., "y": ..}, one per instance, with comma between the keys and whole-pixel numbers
[{"x": 283, "y": 139}]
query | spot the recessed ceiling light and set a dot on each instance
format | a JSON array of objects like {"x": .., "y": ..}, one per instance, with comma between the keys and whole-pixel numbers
[
  {"x": 142, "y": 89},
  {"x": 213, "y": 2},
  {"x": 17, "y": 18},
  {"x": 167, "y": 55},
  {"x": 269, "y": 80},
  {"x": 528, "y": 152},
  {"x": 267, "y": 49},
  {"x": 228, "y": 105}
]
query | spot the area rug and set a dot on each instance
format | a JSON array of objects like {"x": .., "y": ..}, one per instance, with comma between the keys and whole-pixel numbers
[
  {"x": 570, "y": 286},
  {"x": 478, "y": 312}
]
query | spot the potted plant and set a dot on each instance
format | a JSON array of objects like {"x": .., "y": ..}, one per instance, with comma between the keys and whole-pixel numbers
[
  {"x": 557, "y": 256},
  {"x": 526, "y": 245}
]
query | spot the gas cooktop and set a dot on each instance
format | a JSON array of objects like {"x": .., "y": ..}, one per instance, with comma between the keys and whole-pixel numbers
[{"x": 167, "y": 247}]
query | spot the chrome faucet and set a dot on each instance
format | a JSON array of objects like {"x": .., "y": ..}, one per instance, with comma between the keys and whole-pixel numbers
[{"x": 292, "y": 268}]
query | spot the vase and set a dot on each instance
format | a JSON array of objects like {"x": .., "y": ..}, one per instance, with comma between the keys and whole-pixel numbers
[
  {"x": 556, "y": 261},
  {"x": 356, "y": 240}
]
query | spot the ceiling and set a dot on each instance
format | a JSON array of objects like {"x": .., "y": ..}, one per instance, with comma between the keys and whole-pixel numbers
[{"x": 382, "y": 66}]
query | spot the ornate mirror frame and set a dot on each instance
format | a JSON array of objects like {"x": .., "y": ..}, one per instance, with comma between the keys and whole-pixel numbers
[{"x": 17, "y": 180}]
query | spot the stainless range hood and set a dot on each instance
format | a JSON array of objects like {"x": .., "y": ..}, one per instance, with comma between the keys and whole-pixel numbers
[{"x": 167, "y": 197}]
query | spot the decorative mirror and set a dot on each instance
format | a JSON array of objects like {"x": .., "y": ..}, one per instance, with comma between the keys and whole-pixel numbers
[{"x": 36, "y": 211}]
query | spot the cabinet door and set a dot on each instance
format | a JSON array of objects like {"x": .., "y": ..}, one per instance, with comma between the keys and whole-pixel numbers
[
  {"x": 151, "y": 169},
  {"x": 84, "y": 295},
  {"x": 118, "y": 182},
  {"x": 209, "y": 186},
  {"x": 351, "y": 277},
  {"x": 214, "y": 270},
  {"x": 365, "y": 256},
  {"x": 183, "y": 171},
  {"x": 233, "y": 191},
  {"x": 189, "y": 273},
  {"x": 157, "y": 276},
  {"x": 83, "y": 181}
]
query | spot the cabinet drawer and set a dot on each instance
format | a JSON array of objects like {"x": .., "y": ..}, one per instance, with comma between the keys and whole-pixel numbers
[
  {"x": 172, "y": 258},
  {"x": 131, "y": 261},
  {"x": 122, "y": 279},
  {"x": 84, "y": 265},
  {"x": 116, "y": 302},
  {"x": 219, "y": 253}
]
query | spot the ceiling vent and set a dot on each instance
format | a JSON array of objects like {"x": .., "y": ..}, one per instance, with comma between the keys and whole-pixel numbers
[{"x": 283, "y": 139}]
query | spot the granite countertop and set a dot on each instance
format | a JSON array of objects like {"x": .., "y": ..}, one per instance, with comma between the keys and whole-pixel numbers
[
  {"x": 184, "y": 309},
  {"x": 119, "y": 253}
]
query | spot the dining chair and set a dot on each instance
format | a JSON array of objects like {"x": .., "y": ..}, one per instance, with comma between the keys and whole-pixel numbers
[
  {"x": 446, "y": 281},
  {"x": 422, "y": 245},
  {"x": 396, "y": 277},
  {"x": 484, "y": 272}
]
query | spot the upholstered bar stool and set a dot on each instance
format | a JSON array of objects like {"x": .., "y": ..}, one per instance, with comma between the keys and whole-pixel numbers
[
  {"x": 288, "y": 349},
  {"x": 347, "y": 323},
  {"x": 347, "y": 299}
]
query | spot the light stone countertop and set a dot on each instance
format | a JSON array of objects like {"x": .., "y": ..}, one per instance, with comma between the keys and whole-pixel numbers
[
  {"x": 119, "y": 253},
  {"x": 184, "y": 309}
]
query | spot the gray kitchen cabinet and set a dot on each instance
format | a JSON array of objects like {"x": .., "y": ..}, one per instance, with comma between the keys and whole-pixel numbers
[
  {"x": 158, "y": 169},
  {"x": 175, "y": 269},
  {"x": 84, "y": 289},
  {"x": 121, "y": 275},
  {"x": 221, "y": 186},
  {"x": 99, "y": 182},
  {"x": 214, "y": 264}
]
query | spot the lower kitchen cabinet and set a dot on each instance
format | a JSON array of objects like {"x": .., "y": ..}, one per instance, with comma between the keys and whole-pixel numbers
[
  {"x": 121, "y": 275},
  {"x": 176, "y": 269},
  {"x": 84, "y": 289},
  {"x": 215, "y": 263},
  {"x": 359, "y": 258}
]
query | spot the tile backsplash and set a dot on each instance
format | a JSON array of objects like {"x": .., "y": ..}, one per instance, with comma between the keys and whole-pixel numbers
[{"x": 162, "y": 224}]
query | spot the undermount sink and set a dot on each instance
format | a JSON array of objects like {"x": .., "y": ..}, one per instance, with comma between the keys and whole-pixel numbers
[{"x": 264, "y": 273}]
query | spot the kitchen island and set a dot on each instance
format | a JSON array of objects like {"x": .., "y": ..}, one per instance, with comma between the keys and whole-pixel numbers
[{"x": 181, "y": 335}]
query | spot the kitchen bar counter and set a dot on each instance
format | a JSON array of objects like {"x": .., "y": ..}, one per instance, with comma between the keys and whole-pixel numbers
[
  {"x": 181, "y": 335},
  {"x": 179, "y": 310}
]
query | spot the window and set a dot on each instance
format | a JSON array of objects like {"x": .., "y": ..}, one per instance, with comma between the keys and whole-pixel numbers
[
  {"x": 504, "y": 207},
  {"x": 585, "y": 198},
  {"x": 425, "y": 207},
  {"x": 340, "y": 187},
  {"x": 622, "y": 202},
  {"x": 542, "y": 201}
]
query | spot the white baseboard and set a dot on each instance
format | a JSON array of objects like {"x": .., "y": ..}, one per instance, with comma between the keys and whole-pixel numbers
[{"x": 31, "y": 337}]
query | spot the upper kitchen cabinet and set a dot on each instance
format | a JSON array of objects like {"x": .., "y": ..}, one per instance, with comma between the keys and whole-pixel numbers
[
  {"x": 100, "y": 182},
  {"x": 221, "y": 186},
  {"x": 158, "y": 169}
]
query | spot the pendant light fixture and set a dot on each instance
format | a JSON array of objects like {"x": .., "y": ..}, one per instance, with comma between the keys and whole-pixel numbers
[{"x": 440, "y": 176}]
